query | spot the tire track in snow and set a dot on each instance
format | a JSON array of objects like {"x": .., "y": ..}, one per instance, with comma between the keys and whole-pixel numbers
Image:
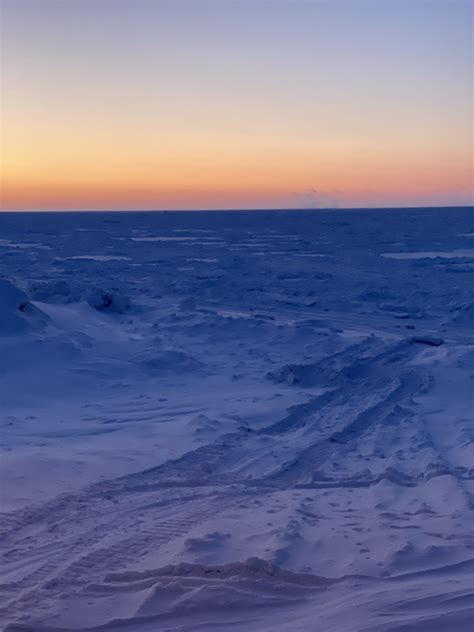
[
  {"x": 71, "y": 569},
  {"x": 337, "y": 418}
]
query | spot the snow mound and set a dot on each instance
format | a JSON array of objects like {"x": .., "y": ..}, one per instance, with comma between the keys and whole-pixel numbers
[
  {"x": 362, "y": 362},
  {"x": 56, "y": 291},
  {"x": 111, "y": 301},
  {"x": 17, "y": 314}
]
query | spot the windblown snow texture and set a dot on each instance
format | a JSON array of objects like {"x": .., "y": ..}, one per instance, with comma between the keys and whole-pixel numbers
[{"x": 237, "y": 421}]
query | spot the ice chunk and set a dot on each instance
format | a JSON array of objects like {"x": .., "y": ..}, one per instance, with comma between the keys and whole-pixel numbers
[{"x": 108, "y": 301}]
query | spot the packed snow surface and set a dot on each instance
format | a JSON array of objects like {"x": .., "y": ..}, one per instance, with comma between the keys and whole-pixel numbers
[{"x": 237, "y": 421}]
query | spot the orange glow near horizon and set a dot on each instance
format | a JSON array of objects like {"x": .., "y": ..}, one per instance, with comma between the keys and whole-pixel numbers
[{"x": 142, "y": 109}]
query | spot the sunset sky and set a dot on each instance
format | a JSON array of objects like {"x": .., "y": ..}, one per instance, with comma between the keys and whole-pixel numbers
[{"x": 151, "y": 104}]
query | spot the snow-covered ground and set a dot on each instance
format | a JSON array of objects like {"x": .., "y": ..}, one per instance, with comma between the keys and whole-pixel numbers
[{"x": 237, "y": 421}]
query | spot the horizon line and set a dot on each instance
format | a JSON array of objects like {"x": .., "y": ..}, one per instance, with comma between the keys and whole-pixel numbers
[{"x": 247, "y": 210}]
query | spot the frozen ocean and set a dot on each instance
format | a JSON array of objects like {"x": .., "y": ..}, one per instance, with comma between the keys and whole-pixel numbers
[{"x": 246, "y": 421}]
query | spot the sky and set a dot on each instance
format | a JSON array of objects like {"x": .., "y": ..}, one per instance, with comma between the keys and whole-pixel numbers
[{"x": 193, "y": 104}]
